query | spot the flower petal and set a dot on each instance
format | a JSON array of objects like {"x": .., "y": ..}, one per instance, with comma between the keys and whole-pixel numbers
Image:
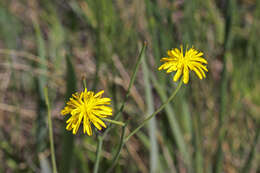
[
  {"x": 75, "y": 129},
  {"x": 185, "y": 75},
  {"x": 199, "y": 59},
  {"x": 99, "y": 94},
  {"x": 197, "y": 72},
  {"x": 177, "y": 75}
]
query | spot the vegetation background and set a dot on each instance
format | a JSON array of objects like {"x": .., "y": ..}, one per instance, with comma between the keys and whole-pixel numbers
[{"x": 212, "y": 125}]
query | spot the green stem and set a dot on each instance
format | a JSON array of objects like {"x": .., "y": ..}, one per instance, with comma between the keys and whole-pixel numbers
[
  {"x": 175, "y": 128},
  {"x": 121, "y": 144},
  {"x": 84, "y": 82},
  {"x": 98, "y": 153},
  {"x": 155, "y": 113},
  {"x": 141, "y": 55},
  {"x": 124, "y": 140},
  {"x": 54, "y": 167},
  {"x": 117, "y": 114},
  {"x": 113, "y": 121}
]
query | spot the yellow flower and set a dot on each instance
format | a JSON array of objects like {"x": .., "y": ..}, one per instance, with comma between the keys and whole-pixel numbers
[
  {"x": 183, "y": 63},
  {"x": 88, "y": 108}
]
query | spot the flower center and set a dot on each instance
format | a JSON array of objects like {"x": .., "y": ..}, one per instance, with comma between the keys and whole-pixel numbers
[
  {"x": 182, "y": 62},
  {"x": 88, "y": 106}
]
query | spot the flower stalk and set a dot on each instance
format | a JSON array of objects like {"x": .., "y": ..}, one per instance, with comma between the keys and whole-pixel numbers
[
  {"x": 124, "y": 140},
  {"x": 118, "y": 113},
  {"x": 121, "y": 144},
  {"x": 156, "y": 112},
  {"x": 98, "y": 153},
  {"x": 113, "y": 121}
]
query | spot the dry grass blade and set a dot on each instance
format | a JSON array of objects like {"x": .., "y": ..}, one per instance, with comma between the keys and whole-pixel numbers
[
  {"x": 14, "y": 109},
  {"x": 26, "y": 55}
]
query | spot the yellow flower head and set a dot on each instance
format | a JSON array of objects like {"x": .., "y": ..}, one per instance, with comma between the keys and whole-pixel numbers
[
  {"x": 88, "y": 108},
  {"x": 183, "y": 63}
]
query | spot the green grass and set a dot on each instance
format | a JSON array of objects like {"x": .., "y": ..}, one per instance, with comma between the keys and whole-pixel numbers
[{"x": 211, "y": 126}]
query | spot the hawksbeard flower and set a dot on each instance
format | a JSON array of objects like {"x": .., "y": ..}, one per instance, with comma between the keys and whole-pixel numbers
[
  {"x": 192, "y": 60},
  {"x": 88, "y": 108}
]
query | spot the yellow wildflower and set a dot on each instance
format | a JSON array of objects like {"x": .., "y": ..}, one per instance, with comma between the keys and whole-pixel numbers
[
  {"x": 88, "y": 108},
  {"x": 183, "y": 63}
]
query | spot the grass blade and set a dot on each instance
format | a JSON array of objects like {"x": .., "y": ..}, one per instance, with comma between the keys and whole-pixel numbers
[
  {"x": 152, "y": 122},
  {"x": 68, "y": 139},
  {"x": 41, "y": 130},
  {"x": 198, "y": 161},
  {"x": 223, "y": 90},
  {"x": 54, "y": 167}
]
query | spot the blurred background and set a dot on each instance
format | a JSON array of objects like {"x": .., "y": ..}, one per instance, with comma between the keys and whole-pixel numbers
[{"x": 211, "y": 126}]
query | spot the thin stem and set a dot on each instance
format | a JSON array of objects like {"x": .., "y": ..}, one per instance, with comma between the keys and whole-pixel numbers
[
  {"x": 175, "y": 128},
  {"x": 54, "y": 167},
  {"x": 113, "y": 121},
  {"x": 121, "y": 144},
  {"x": 123, "y": 141},
  {"x": 98, "y": 153},
  {"x": 155, "y": 113},
  {"x": 117, "y": 114},
  {"x": 84, "y": 82},
  {"x": 141, "y": 55}
]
